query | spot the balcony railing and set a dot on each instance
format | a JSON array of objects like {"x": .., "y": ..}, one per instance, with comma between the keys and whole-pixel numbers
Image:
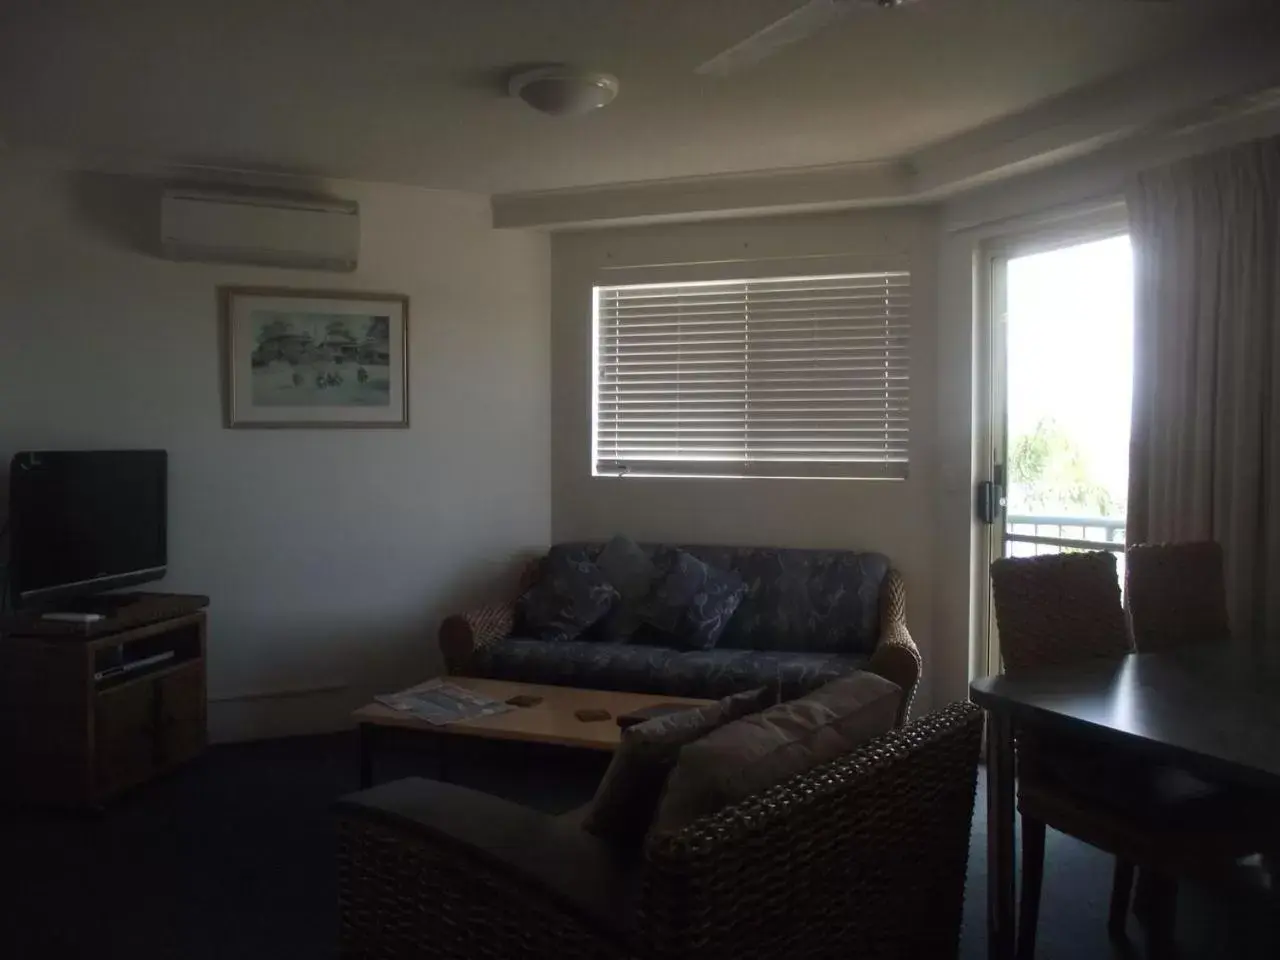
[
  {"x": 1029, "y": 535},
  {"x": 1065, "y": 533}
]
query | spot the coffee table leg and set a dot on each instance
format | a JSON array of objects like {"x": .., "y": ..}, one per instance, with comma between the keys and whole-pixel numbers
[
  {"x": 1000, "y": 815},
  {"x": 366, "y": 755},
  {"x": 442, "y": 758}
]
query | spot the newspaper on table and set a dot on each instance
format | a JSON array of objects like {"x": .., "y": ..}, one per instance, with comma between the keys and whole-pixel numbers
[{"x": 441, "y": 702}]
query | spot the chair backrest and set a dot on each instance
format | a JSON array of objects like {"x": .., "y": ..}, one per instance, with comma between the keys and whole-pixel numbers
[
  {"x": 1058, "y": 609},
  {"x": 838, "y": 861},
  {"x": 1176, "y": 594}
]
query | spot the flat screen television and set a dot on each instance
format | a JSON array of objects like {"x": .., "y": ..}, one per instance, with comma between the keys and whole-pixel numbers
[{"x": 85, "y": 521}]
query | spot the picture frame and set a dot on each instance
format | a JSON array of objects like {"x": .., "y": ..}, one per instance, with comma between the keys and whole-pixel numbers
[{"x": 314, "y": 358}]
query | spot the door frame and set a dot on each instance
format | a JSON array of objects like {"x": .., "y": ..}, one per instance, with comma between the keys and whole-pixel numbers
[{"x": 991, "y": 433}]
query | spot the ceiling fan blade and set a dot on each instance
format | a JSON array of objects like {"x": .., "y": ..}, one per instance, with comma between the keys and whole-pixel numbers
[{"x": 796, "y": 26}]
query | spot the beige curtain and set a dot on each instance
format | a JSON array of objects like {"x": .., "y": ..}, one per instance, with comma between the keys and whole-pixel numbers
[{"x": 1205, "y": 449}]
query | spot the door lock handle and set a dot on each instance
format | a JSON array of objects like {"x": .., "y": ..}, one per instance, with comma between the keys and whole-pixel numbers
[{"x": 990, "y": 501}]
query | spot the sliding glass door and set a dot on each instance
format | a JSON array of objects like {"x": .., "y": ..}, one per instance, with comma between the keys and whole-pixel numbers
[{"x": 1061, "y": 310}]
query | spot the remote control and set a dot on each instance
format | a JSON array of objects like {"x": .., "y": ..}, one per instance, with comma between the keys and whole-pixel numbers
[{"x": 72, "y": 617}]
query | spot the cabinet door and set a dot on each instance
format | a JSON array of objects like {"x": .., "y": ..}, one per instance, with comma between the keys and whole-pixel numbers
[
  {"x": 181, "y": 713},
  {"x": 123, "y": 740}
]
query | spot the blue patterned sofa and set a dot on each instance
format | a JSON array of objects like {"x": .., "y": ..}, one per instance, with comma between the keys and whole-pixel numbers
[{"x": 808, "y": 617}]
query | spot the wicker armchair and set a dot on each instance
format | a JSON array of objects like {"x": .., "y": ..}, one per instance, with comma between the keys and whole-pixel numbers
[
  {"x": 1177, "y": 595},
  {"x": 863, "y": 857}
]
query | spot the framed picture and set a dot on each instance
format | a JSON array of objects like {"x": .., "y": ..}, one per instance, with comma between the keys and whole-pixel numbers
[{"x": 297, "y": 358}]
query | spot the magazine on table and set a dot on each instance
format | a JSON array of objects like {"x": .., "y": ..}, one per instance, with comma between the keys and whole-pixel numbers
[{"x": 441, "y": 702}]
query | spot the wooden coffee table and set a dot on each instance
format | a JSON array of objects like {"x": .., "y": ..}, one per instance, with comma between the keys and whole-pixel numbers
[{"x": 552, "y": 721}]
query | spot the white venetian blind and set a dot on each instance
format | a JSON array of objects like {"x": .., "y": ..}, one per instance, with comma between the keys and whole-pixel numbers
[{"x": 780, "y": 377}]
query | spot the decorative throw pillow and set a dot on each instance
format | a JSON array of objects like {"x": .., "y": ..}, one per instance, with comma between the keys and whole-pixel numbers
[
  {"x": 627, "y": 796},
  {"x": 692, "y": 602},
  {"x": 752, "y": 754},
  {"x": 627, "y": 566},
  {"x": 571, "y": 596}
]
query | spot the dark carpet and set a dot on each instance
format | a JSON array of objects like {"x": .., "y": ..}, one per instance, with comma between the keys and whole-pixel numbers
[{"x": 234, "y": 857}]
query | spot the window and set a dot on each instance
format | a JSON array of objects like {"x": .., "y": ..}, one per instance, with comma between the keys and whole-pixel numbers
[{"x": 781, "y": 377}]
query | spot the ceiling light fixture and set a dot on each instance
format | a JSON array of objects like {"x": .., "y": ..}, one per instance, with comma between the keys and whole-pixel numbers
[{"x": 562, "y": 91}]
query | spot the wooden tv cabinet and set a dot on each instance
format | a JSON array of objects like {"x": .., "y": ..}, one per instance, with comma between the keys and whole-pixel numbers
[{"x": 76, "y": 729}]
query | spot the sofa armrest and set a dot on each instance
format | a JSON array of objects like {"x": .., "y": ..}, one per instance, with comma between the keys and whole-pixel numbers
[
  {"x": 462, "y": 634},
  {"x": 429, "y": 868},
  {"x": 896, "y": 656}
]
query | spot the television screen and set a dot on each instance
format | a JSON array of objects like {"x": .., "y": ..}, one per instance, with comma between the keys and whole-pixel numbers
[{"x": 85, "y": 521}]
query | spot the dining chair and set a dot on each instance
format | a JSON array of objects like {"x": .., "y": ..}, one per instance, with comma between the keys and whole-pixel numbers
[
  {"x": 1176, "y": 594},
  {"x": 1062, "y": 609},
  {"x": 1055, "y": 609}
]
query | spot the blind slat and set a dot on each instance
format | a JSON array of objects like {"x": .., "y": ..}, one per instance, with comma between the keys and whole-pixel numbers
[
  {"x": 877, "y": 315},
  {"x": 778, "y": 377},
  {"x": 697, "y": 378},
  {"x": 817, "y": 345},
  {"x": 694, "y": 292},
  {"x": 713, "y": 313},
  {"x": 733, "y": 423},
  {"x": 776, "y": 364}
]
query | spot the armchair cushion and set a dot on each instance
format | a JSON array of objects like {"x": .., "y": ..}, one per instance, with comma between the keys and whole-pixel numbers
[
  {"x": 571, "y": 596},
  {"x": 579, "y": 872},
  {"x": 752, "y": 754},
  {"x": 692, "y": 602},
  {"x": 628, "y": 795}
]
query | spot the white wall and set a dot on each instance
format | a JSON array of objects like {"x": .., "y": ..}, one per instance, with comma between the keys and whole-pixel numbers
[
  {"x": 330, "y": 555},
  {"x": 895, "y": 518}
]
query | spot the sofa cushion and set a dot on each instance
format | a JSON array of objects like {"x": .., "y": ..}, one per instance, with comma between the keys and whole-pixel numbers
[
  {"x": 714, "y": 673},
  {"x": 628, "y": 795},
  {"x": 823, "y": 601},
  {"x": 646, "y": 669},
  {"x": 692, "y": 602},
  {"x": 576, "y": 663},
  {"x": 752, "y": 754},
  {"x": 632, "y": 572},
  {"x": 572, "y": 594}
]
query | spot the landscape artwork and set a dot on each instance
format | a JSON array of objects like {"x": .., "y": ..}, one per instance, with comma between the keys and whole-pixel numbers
[{"x": 307, "y": 359}]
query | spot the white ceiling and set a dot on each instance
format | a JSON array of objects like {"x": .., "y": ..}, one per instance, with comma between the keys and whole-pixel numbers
[{"x": 409, "y": 90}]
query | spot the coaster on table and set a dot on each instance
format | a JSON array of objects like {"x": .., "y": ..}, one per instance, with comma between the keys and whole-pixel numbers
[
  {"x": 589, "y": 714},
  {"x": 524, "y": 700}
]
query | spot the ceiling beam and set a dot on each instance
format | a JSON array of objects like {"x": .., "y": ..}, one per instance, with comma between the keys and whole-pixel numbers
[
  {"x": 1219, "y": 77},
  {"x": 1213, "y": 84},
  {"x": 795, "y": 190}
]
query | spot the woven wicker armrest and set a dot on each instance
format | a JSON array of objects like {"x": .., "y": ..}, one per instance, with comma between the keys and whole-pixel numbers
[
  {"x": 896, "y": 656},
  {"x": 433, "y": 869},
  {"x": 868, "y": 852},
  {"x": 464, "y": 633},
  {"x": 461, "y": 635}
]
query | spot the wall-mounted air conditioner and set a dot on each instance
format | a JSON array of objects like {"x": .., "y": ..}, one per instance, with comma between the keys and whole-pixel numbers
[{"x": 306, "y": 234}]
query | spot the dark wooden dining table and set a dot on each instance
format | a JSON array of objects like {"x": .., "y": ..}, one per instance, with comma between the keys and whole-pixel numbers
[{"x": 1213, "y": 711}]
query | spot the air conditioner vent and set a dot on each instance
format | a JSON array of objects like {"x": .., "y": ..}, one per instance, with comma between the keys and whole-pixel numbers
[{"x": 301, "y": 233}]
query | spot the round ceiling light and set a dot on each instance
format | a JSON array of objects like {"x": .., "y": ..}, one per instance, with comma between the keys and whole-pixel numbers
[{"x": 563, "y": 91}]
